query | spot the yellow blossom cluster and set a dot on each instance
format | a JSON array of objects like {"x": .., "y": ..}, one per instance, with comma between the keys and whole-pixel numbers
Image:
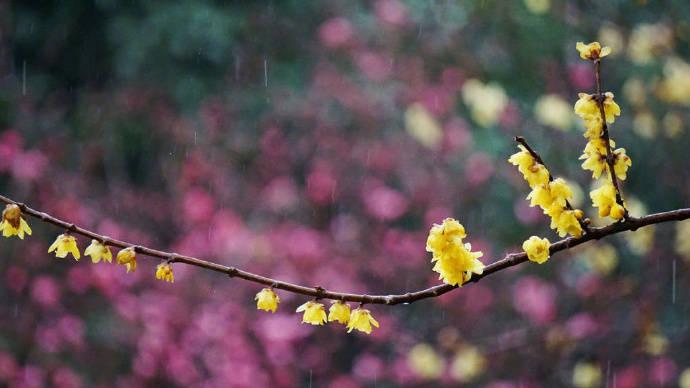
[
  {"x": 454, "y": 260},
  {"x": 599, "y": 146},
  {"x": 553, "y": 196},
  {"x": 314, "y": 313}
]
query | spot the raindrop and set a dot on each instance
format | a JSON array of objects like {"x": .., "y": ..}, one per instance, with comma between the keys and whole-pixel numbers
[
  {"x": 24, "y": 78},
  {"x": 265, "y": 73},
  {"x": 673, "y": 287}
]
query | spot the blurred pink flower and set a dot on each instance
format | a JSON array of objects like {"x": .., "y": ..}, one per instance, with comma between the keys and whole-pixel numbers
[
  {"x": 392, "y": 12},
  {"x": 535, "y": 299},
  {"x": 66, "y": 378},
  {"x": 197, "y": 207},
  {"x": 662, "y": 371},
  {"x": 336, "y": 32},
  {"x": 368, "y": 367},
  {"x": 321, "y": 186},
  {"x": 382, "y": 202},
  {"x": 479, "y": 168},
  {"x": 45, "y": 291},
  {"x": 28, "y": 166},
  {"x": 375, "y": 66}
]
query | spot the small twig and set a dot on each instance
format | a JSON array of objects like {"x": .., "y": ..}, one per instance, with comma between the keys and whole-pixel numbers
[
  {"x": 605, "y": 135},
  {"x": 584, "y": 225},
  {"x": 509, "y": 260}
]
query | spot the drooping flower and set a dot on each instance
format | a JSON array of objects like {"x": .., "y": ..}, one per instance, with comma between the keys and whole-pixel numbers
[
  {"x": 267, "y": 300},
  {"x": 339, "y": 312},
  {"x": 98, "y": 251},
  {"x": 128, "y": 258},
  {"x": 164, "y": 272},
  {"x": 604, "y": 198},
  {"x": 537, "y": 249},
  {"x": 621, "y": 163},
  {"x": 592, "y": 50},
  {"x": 361, "y": 319},
  {"x": 314, "y": 313},
  {"x": 534, "y": 173},
  {"x": 65, "y": 244},
  {"x": 13, "y": 224},
  {"x": 454, "y": 261}
]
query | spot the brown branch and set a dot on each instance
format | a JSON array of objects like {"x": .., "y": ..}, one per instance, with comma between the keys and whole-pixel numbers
[
  {"x": 605, "y": 135},
  {"x": 583, "y": 224},
  {"x": 509, "y": 260}
]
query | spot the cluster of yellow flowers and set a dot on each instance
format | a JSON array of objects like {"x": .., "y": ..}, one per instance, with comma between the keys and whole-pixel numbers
[
  {"x": 598, "y": 149},
  {"x": 454, "y": 260},
  {"x": 552, "y": 195},
  {"x": 13, "y": 224},
  {"x": 314, "y": 313}
]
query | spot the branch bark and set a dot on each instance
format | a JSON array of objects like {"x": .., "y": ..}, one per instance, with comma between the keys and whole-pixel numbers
[{"x": 508, "y": 261}]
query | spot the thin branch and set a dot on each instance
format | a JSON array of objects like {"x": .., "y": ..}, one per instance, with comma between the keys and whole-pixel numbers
[
  {"x": 605, "y": 135},
  {"x": 509, "y": 260},
  {"x": 583, "y": 224}
]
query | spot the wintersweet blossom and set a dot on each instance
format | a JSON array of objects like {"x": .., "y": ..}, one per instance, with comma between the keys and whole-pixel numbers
[
  {"x": 164, "y": 272},
  {"x": 604, "y": 198},
  {"x": 534, "y": 173},
  {"x": 314, "y": 313},
  {"x": 63, "y": 245},
  {"x": 621, "y": 163},
  {"x": 267, "y": 300},
  {"x": 537, "y": 249},
  {"x": 361, "y": 319},
  {"x": 98, "y": 251},
  {"x": 13, "y": 224},
  {"x": 339, "y": 312},
  {"x": 454, "y": 261},
  {"x": 587, "y": 108},
  {"x": 566, "y": 221},
  {"x": 128, "y": 258},
  {"x": 553, "y": 198},
  {"x": 592, "y": 50}
]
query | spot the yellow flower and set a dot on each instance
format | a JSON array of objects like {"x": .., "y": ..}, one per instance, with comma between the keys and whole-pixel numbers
[
  {"x": 553, "y": 194},
  {"x": 267, "y": 300},
  {"x": 361, "y": 319},
  {"x": 63, "y": 245},
  {"x": 554, "y": 111},
  {"x": 621, "y": 163},
  {"x": 534, "y": 173},
  {"x": 314, "y": 313},
  {"x": 164, "y": 272},
  {"x": 604, "y": 198},
  {"x": 592, "y": 50},
  {"x": 128, "y": 258},
  {"x": 586, "y": 107},
  {"x": 566, "y": 222},
  {"x": 454, "y": 260},
  {"x": 593, "y": 127},
  {"x": 586, "y": 375},
  {"x": 684, "y": 379},
  {"x": 468, "y": 364},
  {"x": 13, "y": 224},
  {"x": 339, "y": 312},
  {"x": 98, "y": 251},
  {"x": 596, "y": 163},
  {"x": 425, "y": 361},
  {"x": 537, "y": 249}
]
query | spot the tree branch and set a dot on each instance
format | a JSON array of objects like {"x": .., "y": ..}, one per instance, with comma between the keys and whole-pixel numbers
[
  {"x": 509, "y": 260},
  {"x": 605, "y": 135},
  {"x": 521, "y": 140}
]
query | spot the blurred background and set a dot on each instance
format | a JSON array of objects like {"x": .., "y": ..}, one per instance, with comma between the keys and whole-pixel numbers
[{"x": 316, "y": 142}]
